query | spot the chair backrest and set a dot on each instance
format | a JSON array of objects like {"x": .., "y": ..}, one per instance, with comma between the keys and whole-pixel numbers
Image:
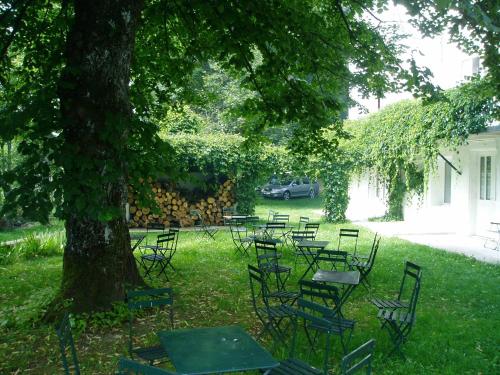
[
  {"x": 167, "y": 240},
  {"x": 330, "y": 259},
  {"x": 66, "y": 343},
  {"x": 270, "y": 215},
  {"x": 345, "y": 235},
  {"x": 257, "y": 285},
  {"x": 303, "y": 220},
  {"x": 414, "y": 272},
  {"x": 281, "y": 218},
  {"x": 175, "y": 231},
  {"x": 312, "y": 313},
  {"x": 312, "y": 226},
  {"x": 266, "y": 251},
  {"x": 301, "y": 235},
  {"x": 359, "y": 359},
  {"x": 147, "y": 298},
  {"x": 130, "y": 367},
  {"x": 373, "y": 252},
  {"x": 275, "y": 225},
  {"x": 198, "y": 218},
  {"x": 328, "y": 294},
  {"x": 237, "y": 229}
]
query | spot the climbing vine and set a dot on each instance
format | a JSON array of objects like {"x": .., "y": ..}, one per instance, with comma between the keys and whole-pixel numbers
[{"x": 400, "y": 144}]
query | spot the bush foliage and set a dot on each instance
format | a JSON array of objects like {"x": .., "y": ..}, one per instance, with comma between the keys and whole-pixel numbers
[{"x": 224, "y": 156}]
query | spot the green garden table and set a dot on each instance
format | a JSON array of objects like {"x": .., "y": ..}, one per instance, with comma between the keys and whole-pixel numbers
[
  {"x": 215, "y": 350},
  {"x": 348, "y": 279}
]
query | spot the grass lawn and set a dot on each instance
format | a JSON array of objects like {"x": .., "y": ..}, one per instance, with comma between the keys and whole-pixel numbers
[{"x": 458, "y": 316}]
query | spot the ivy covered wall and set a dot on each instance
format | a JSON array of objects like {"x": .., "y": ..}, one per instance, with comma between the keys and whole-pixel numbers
[{"x": 400, "y": 144}]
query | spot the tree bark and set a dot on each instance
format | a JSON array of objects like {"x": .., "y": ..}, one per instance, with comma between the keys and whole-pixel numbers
[{"x": 96, "y": 115}]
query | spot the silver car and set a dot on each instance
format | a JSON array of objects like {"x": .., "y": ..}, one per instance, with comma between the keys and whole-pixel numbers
[{"x": 290, "y": 188}]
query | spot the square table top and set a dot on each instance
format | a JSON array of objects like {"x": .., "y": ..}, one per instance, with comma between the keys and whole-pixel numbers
[
  {"x": 313, "y": 244},
  {"x": 341, "y": 277},
  {"x": 215, "y": 350}
]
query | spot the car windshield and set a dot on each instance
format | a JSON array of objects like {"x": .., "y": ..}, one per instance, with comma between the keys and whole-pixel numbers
[{"x": 277, "y": 181}]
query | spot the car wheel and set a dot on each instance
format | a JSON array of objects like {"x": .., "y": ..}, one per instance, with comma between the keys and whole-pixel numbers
[
  {"x": 312, "y": 193},
  {"x": 286, "y": 195}
]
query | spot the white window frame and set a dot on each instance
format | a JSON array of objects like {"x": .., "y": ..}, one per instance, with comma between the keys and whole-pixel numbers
[{"x": 483, "y": 196}]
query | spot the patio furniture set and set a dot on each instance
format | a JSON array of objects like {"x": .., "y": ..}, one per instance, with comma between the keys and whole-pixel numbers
[{"x": 330, "y": 278}]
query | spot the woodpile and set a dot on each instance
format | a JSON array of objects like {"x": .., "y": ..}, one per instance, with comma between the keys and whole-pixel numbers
[{"x": 174, "y": 208}]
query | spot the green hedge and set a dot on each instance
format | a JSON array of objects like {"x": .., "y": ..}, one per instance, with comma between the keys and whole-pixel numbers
[{"x": 221, "y": 156}]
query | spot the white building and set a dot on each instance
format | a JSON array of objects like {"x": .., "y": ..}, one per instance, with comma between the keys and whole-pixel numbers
[{"x": 462, "y": 202}]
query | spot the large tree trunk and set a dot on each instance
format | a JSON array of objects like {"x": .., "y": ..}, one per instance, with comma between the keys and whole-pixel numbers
[{"x": 96, "y": 115}]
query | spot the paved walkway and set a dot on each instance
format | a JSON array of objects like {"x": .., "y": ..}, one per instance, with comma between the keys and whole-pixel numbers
[{"x": 468, "y": 245}]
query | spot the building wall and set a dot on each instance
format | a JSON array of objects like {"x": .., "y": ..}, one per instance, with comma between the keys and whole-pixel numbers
[{"x": 465, "y": 213}]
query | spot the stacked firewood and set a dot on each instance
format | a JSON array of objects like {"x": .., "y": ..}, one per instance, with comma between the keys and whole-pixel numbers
[{"x": 176, "y": 209}]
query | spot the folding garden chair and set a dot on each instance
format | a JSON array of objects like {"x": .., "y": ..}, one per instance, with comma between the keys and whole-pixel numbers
[
  {"x": 365, "y": 267},
  {"x": 303, "y": 220},
  {"x": 286, "y": 228},
  {"x": 270, "y": 229},
  {"x": 348, "y": 238},
  {"x": 270, "y": 215},
  {"x": 130, "y": 367},
  {"x": 301, "y": 235},
  {"x": 399, "y": 322},
  {"x": 311, "y": 315},
  {"x": 66, "y": 343},
  {"x": 412, "y": 271},
  {"x": 163, "y": 252},
  {"x": 154, "y": 228},
  {"x": 312, "y": 227},
  {"x": 201, "y": 227},
  {"x": 143, "y": 299},
  {"x": 329, "y": 297},
  {"x": 227, "y": 211},
  {"x": 271, "y": 315},
  {"x": 267, "y": 261},
  {"x": 326, "y": 294},
  {"x": 239, "y": 234},
  {"x": 359, "y": 359}
]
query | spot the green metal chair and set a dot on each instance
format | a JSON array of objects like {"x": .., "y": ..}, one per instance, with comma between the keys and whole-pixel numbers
[
  {"x": 294, "y": 365},
  {"x": 399, "y": 322},
  {"x": 271, "y": 315},
  {"x": 201, "y": 227},
  {"x": 348, "y": 238},
  {"x": 268, "y": 262},
  {"x": 130, "y": 367},
  {"x": 365, "y": 267},
  {"x": 239, "y": 234},
  {"x": 359, "y": 359},
  {"x": 163, "y": 252},
  {"x": 303, "y": 220},
  {"x": 66, "y": 343},
  {"x": 338, "y": 324},
  {"x": 143, "y": 299},
  {"x": 414, "y": 273},
  {"x": 312, "y": 227},
  {"x": 300, "y": 235}
]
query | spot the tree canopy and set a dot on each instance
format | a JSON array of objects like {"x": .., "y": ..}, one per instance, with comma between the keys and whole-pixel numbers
[{"x": 82, "y": 83}]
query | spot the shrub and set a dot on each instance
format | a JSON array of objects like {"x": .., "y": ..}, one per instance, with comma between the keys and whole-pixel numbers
[{"x": 41, "y": 245}]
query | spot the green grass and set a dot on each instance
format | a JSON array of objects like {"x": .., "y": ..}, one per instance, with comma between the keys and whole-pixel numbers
[
  {"x": 17, "y": 233},
  {"x": 457, "y": 329}
]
